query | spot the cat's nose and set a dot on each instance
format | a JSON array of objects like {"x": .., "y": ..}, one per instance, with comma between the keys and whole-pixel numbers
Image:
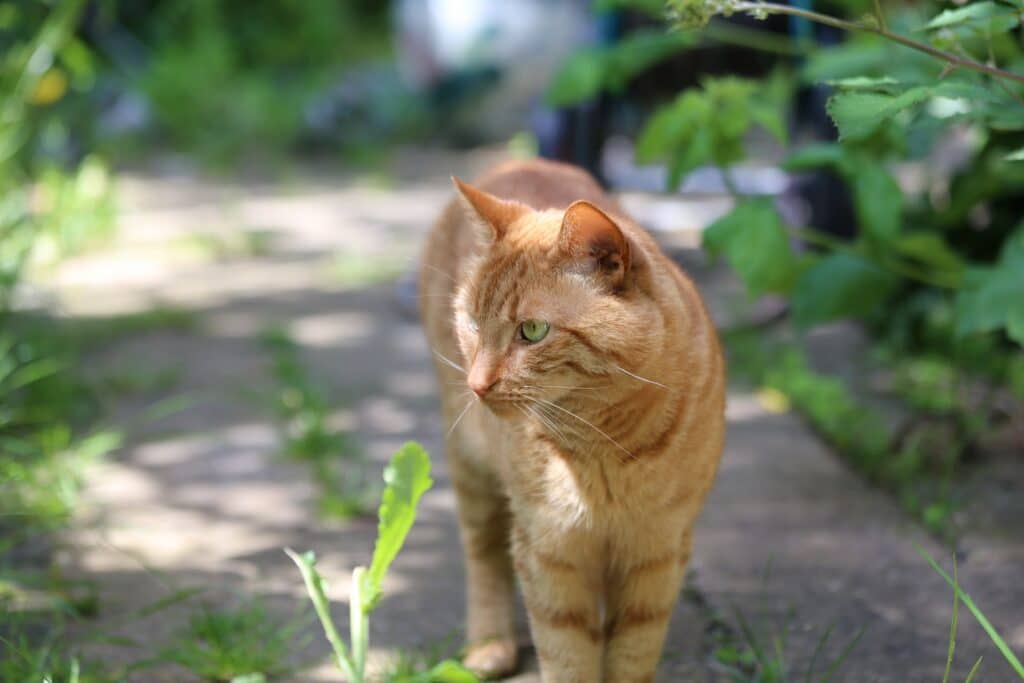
[
  {"x": 481, "y": 385},
  {"x": 482, "y": 378}
]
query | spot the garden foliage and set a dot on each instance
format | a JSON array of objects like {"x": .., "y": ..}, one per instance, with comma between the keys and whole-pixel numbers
[{"x": 950, "y": 238}]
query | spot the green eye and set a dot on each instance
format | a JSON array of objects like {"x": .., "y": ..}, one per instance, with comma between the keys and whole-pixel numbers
[{"x": 533, "y": 330}]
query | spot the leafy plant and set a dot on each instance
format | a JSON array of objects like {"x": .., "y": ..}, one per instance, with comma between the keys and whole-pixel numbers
[
  {"x": 874, "y": 114},
  {"x": 407, "y": 478}
]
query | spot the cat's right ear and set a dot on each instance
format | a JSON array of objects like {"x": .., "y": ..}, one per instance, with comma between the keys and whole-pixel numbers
[{"x": 493, "y": 214}]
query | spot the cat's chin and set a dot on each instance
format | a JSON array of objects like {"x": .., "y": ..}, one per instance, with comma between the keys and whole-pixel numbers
[{"x": 501, "y": 407}]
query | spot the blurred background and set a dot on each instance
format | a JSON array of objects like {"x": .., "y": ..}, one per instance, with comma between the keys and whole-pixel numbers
[{"x": 210, "y": 221}]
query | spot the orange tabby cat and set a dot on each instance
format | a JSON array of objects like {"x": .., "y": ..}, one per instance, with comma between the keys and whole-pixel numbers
[{"x": 583, "y": 392}]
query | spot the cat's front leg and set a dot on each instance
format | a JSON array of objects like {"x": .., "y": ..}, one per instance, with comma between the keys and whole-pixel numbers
[
  {"x": 642, "y": 596},
  {"x": 563, "y": 607}
]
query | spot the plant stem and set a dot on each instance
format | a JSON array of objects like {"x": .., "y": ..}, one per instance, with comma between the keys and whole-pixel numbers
[
  {"x": 880, "y": 16},
  {"x": 948, "y": 57}
]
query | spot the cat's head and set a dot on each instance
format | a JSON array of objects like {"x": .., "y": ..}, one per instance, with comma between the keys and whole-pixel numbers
[{"x": 555, "y": 301}]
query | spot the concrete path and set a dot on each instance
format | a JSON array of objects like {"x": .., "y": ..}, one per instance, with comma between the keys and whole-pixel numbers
[{"x": 200, "y": 499}]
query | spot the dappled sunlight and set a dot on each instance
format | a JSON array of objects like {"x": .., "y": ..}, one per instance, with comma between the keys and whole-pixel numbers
[{"x": 333, "y": 329}]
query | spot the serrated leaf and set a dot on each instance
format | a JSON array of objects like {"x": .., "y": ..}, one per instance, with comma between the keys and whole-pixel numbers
[
  {"x": 752, "y": 239},
  {"x": 992, "y": 298},
  {"x": 859, "y": 114},
  {"x": 978, "y": 15},
  {"x": 407, "y": 478},
  {"x": 840, "y": 285},
  {"x": 878, "y": 200}
]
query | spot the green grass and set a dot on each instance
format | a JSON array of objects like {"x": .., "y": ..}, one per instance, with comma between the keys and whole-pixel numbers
[
  {"x": 915, "y": 461},
  {"x": 242, "y": 641},
  {"x": 303, "y": 411}
]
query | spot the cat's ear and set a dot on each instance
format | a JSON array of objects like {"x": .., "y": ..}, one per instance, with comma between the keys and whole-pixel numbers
[
  {"x": 592, "y": 239},
  {"x": 496, "y": 214}
]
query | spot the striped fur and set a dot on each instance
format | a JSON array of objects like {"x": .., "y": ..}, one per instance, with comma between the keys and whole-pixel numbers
[{"x": 582, "y": 470}]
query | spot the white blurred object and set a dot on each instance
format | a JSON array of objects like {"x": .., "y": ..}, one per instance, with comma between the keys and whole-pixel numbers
[{"x": 525, "y": 41}]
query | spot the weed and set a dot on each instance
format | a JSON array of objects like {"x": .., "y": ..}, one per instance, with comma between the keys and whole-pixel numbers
[
  {"x": 407, "y": 479},
  {"x": 30, "y": 651},
  {"x": 227, "y": 644}
]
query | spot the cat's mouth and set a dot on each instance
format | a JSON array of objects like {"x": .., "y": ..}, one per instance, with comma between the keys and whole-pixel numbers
[{"x": 501, "y": 405}]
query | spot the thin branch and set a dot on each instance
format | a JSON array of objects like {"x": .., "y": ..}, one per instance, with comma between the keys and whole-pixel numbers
[{"x": 761, "y": 8}]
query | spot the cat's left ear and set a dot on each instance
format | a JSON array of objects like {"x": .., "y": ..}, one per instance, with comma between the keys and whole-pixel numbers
[
  {"x": 495, "y": 213},
  {"x": 592, "y": 239}
]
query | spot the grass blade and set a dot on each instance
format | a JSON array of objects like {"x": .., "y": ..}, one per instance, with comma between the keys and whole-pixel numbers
[
  {"x": 1000, "y": 644},
  {"x": 974, "y": 670},
  {"x": 842, "y": 657},
  {"x": 952, "y": 626},
  {"x": 174, "y": 598},
  {"x": 817, "y": 652}
]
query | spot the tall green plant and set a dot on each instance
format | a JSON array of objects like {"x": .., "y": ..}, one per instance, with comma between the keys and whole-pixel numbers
[{"x": 407, "y": 479}]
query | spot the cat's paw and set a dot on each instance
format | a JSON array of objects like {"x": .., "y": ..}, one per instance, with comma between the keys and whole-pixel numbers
[{"x": 492, "y": 659}]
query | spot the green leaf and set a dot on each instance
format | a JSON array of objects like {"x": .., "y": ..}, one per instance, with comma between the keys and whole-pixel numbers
[
  {"x": 589, "y": 72},
  {"x": 754, "y": 242},
  {"x": 884, "y": 84},
  {"x": 859, "y": 114},
  {"x": 407, "y": 479},
  {"x": 1015, "y": 156},
  {"x": 840, "y": 285},
  {"x": 850, "y": 59},
  {"x": 981, "y": 16},
  {"x": 992, "y": 297},
  {"x": 672, "y": 127},
  {"x": 579, "y": 79},
  {"x": 820, "y": 155},
  {"x": 878, "y": 200},
  {"x": 771, "y": 117},
  {"x": 930, "y": 249}
]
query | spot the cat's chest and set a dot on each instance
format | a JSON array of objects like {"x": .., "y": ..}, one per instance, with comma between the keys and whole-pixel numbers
[{"x": 570, "y": 487}]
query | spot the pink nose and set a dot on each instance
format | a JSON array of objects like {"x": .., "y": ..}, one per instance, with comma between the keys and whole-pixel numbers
[{"x": 481, "y": 385}]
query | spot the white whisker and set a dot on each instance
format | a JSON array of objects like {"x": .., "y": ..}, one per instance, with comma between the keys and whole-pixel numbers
[
  {"x": 547, "y": 420},
  {"x": 561, "y": 386},
  {"x": 642, "y": 379},
  {"x": 449, "y": 361},
  {"x": 438, "y": 270},
  {"x": 459, "y": 418},
  {"x": 589, "y": 424}
]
